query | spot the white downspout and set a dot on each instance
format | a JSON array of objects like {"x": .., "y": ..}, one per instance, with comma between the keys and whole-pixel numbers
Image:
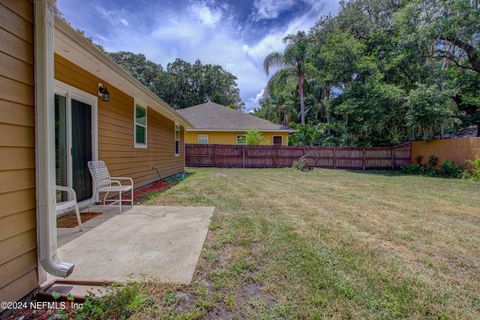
[{"x": 45, "y": 142}]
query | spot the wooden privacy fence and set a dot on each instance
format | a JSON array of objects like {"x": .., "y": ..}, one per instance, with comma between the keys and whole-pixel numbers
[
  {"x": 241, "y": 156},
  {"x": 456, "y": 150}
]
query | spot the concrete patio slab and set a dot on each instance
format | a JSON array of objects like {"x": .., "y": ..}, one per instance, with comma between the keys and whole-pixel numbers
[
  {"x": 65, "y": 235},
  {"x": 144, "y": 242}
]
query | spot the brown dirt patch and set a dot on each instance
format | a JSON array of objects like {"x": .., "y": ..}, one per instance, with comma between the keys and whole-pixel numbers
[{"x": 70, "y": 220}]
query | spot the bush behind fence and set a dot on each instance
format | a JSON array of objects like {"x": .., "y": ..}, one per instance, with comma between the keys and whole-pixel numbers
[{"x": 242, "y": 156}]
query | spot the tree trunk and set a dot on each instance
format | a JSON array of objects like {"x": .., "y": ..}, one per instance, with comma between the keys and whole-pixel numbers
[
  {"x": 320, "y": 106},
  {"x": 470, "y": 111},
  {"x": 302, "y": 99},
  {"x": 321, "y": 112}
]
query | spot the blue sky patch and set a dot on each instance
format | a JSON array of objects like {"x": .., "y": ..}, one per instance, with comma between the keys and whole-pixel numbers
[{"x": 234, "y": 34}]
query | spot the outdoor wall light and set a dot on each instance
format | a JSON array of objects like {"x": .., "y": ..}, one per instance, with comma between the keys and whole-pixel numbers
[{"x": 103, "y": 92}]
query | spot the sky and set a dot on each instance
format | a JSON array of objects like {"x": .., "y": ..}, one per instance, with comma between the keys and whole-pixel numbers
[{"x": 234, "y": 34}]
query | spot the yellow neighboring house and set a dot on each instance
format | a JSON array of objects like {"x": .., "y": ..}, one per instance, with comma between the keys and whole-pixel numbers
[{"x": 217, "y": 124}]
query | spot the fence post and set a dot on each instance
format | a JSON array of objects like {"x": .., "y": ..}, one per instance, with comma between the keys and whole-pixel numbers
[
  {"x": 334, "y": 158},
  {"x": 363, "y": 159},
  {"x": 393, "y": 158},
  {"x": 411, "y": 151},
  {"x": 243, "y": 156},
  {"x": 274, "y": 153},
  {"x": 213, "y": 155}
]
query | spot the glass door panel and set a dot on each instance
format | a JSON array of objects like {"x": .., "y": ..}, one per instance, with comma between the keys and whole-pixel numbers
[
  {"x": 81, "y": 130},
  {"x": 61, "y": 157}
]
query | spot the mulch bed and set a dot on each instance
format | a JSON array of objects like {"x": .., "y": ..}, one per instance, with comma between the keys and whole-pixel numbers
[
  {"x": 138, "y": 194},
  {"x": 70, "y": 220},
  {"x": 158, "y": 186}
]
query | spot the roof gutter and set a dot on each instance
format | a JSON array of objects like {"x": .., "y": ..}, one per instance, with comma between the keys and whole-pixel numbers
[
  {"x": 45, "y": 142},
  {"x": 238, "y": 130}
]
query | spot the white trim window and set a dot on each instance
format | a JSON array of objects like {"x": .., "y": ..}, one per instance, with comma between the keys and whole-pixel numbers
[
  {"x": 242, "y": 139},
  {"x": 177, "y": 140},
  {"x": 202, "y": 139},
  {"x": 277, "y": 140},
  {"x": 140, "y": 129}
]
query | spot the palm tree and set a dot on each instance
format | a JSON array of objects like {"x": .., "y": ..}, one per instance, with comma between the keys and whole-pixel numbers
[{"x": 291, "y": 62}]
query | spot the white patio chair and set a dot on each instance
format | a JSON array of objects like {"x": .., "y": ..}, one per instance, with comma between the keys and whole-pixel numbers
[
  {"x": 69, "y": 205},
  {"x": 103, "y": 182}
]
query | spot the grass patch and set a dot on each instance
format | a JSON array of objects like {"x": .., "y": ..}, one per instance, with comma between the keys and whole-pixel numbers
[
  {"x": 333, "y": 243},
  {"x": 122, "y": 302},
  {"x": 285, "y": 244}
]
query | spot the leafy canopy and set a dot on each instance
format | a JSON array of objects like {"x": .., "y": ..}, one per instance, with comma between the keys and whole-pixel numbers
[
  {"x": 380, "y": 73},
  {"x": 183, "y": 84}
]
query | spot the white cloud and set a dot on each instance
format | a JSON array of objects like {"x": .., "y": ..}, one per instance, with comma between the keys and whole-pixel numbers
[
  {"x": 208, "y": 16},
  {"x": 112, "y": 16},
  {"x": 274, "y": 40},
  {"x": 259, "y": 95},
  {"x": 188, "y": 38},
  {"x": 98, "y": 36},
  {"x": 270, "y": 9},
  {"x": 182, "y": 31},
  {"x": 163, "y": 34},
  {"x": 270, "y": 43}
]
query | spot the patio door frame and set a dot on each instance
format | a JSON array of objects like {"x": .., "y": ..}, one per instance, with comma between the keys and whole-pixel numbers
[{"x": 70, "y": 92}]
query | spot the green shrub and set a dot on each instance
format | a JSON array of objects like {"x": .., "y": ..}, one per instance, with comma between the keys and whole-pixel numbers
[
  {"x": 413, "y": 168},
  {"x": 299, "y": 165},
  {"x": 305, "y": 163},
  {"x": 432, "y": 162},
  {"x": 465, "y": 175},
  {"x": 419, "y": 168},
  {"x": 450, "y": 169},
  {"x": 474, "y": 171}
]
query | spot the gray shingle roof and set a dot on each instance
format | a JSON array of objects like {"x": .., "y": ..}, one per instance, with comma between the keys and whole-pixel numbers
[{"x": 212, "y": 116}]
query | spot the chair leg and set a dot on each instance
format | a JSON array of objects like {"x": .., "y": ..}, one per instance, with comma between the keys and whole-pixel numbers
[
  {"x": 79, "y": 220},
  {"x": 92, "y": 198},
  {"x": 120, "y": 197},
  {"x": 105, "y": 198},
  {"x": 131, "y": 199}
]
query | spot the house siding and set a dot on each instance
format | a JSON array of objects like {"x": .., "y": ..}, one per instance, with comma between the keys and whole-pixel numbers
[
  {"x": 18, "y": 254},
  {"x": 226, "y": 137},
  {"x": 116, "y": 131}
]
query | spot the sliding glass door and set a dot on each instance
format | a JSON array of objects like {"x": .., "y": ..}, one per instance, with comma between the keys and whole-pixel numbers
[
  {"x": 74, "y": 144},
  {"x": 81, "y": 148}
]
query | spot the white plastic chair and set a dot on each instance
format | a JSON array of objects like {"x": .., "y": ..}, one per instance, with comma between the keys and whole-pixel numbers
[
  {"x": 103, "y": 182},
  {"x": 67, "y": 206}
]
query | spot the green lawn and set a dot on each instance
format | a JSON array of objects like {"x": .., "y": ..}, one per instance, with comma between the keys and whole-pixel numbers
[{"x": 329, "y": 243}]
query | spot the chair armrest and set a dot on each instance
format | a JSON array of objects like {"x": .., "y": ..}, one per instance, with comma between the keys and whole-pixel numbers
[
  {"x": 70, "y": 192},
  {"x": 122, "y": 178}
]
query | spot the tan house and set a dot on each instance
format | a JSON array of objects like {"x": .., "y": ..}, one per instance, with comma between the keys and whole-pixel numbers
[
  {"x": 217, "y": 124},
  {"x": 62, "y": 103}
]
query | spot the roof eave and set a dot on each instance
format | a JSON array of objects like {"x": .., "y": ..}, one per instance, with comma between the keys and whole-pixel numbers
[{"x": 166, "y": 109}]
